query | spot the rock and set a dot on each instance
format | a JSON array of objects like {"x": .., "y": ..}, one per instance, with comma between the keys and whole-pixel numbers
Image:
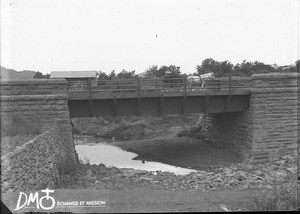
[
  {"x": 258, "y": 172},
  {"x": 292, "y": 169},
  {"x": 89, "y": 172},
  {"x": 248, "y": 167},
  {"x": 140, "y": 172},
  {"x": 240, "y": 175},
  {"x": 227, "y": 171},
  {"x": 218, "y": 180},
  {"x": 281, "y": 162},
  {"x": 31, "y": 181},
  {"x": 145, "y": 179},
  {"x": 5, "y": 185},
  {"x": 128, "y": 173}
]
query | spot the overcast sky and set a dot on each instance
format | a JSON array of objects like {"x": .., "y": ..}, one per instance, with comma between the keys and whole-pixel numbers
[{"x": 51, "y": 35}]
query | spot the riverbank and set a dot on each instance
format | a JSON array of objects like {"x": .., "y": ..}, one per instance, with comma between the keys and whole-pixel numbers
[{"x": 275, "y": 183}]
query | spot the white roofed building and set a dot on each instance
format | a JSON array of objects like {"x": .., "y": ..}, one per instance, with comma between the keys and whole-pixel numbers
[
  {"x": 74, "y": 74},
  {"x": 77, "y": 80}
]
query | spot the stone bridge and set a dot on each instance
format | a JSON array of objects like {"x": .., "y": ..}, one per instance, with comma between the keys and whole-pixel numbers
[{"x": 267, "y": 123}]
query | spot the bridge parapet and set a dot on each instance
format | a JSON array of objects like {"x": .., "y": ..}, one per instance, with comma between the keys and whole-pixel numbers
[{"x": 34, "y": 87}]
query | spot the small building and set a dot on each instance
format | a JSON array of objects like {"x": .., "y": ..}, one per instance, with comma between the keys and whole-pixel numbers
[{"x": 77, "y": 80}]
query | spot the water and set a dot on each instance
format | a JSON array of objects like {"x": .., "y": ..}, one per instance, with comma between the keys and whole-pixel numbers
[{"x": 109, "y": 155}]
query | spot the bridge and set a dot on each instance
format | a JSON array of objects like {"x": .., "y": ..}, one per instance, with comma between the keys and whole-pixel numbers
[
  {"x": 157, "y": 97},
  {"x": 258, "y": 115}
]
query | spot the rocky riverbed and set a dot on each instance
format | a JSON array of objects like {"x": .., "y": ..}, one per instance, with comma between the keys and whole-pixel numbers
[{"x": 236, "y": 176}]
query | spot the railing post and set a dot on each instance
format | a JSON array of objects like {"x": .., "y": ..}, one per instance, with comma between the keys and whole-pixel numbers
[
  {"x": 229, "y": 84},
  {"x": 138, "y": 86},
  {"x": 161, "y": 104},
  {"x": 185, "y": 85},
  {"x": 229, "y": 94},
  {"x": 90, "y": 97},
  {"x": 138, "y": 96},
  {"x": 115, "y": 106},
  {"x": 183, "y": 107}
]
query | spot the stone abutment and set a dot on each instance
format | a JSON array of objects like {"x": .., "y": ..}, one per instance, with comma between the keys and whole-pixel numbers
[
  {"x": 46, "y": 99},
  {"x": 269, "y": 126}
]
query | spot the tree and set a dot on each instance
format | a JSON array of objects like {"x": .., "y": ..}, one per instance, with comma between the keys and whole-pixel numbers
[
  {"x": 297, "y": 65},
  {"x": 173, "y": 71},
  {"x": 151, "y": 71},
  {"x": 218, "y": 68},
  {"x": 39, "y": 75},
  {"x": 163, "y": 71},
  {"x": 102, "y": 75},
  {"x": 225, "y": 68},
  {"x": 112, "y": 75},
  {"x": 249, "y": 68},
  {"x": 126, "y": 74}
]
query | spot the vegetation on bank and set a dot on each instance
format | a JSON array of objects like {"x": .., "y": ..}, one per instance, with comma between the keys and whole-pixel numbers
[
  {"x": 18, "y": 129},
  {"x": 282, "y": 192},
  {"x": 19, "y": 124},
  {"x": 131, "y": 127}
]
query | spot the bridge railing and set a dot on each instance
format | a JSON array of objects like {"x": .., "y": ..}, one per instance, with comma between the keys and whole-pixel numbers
[{"x": 162, "y": 85}]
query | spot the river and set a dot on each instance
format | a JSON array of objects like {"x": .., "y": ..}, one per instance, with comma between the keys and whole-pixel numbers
[{"x": 112, "y": 156}]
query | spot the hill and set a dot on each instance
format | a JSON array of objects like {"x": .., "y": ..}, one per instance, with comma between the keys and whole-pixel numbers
[{"x": 11, "y": 74}]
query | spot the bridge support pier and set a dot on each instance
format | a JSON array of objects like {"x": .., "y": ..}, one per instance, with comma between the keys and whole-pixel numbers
[{"x": 268, "y": 128}]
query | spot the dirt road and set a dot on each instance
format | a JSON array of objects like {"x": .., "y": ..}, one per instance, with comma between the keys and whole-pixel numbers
[{"x": 137, "y": 201}]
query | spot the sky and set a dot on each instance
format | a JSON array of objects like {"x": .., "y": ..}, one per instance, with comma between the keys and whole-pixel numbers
[{"x": 106, "y": 35}]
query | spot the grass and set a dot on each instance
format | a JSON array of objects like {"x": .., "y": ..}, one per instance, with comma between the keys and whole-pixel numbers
[
  {"x": 130, "y": 127},
  {"x": 279, "y": 194},
  {"x": 72, "y": 175},
  {"x": 18, "y": 124},
  {"x": 19, "y": 129},
  {"x": 193, "y": 131}
]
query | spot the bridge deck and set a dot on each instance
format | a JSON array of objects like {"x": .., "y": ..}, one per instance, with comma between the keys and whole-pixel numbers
[
  {"x": 95, "y": 95},
  {"x": 155, "y": 97}
]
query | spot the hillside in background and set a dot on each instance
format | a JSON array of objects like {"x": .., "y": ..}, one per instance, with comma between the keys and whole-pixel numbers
[{"x": 11, "y": 74}]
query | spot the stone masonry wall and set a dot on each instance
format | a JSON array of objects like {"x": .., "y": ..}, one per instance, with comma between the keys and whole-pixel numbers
[
  {"x": 46, "y": 98},
  {"x": 275, "y": 110},
  {"x": 230, "y": 130},
  {"x": 35, "y": 164},
  {"x": 269, "y": 125}
]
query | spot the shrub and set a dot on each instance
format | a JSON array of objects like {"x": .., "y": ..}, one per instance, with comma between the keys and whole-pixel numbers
[
  {"x": 194, "y": 131},
  {"x": 71, "y": 175},
  {"x": 279, "y": 194},
  {"x": 278, "y": 197}
]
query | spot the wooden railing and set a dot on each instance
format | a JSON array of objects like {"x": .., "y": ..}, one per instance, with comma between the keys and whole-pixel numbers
[{"x": 163, "y": 85}]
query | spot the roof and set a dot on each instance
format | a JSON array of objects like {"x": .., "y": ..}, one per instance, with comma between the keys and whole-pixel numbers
[
  {"x": 73, "y": 74},
  {"x": 143, "y": 74}
]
